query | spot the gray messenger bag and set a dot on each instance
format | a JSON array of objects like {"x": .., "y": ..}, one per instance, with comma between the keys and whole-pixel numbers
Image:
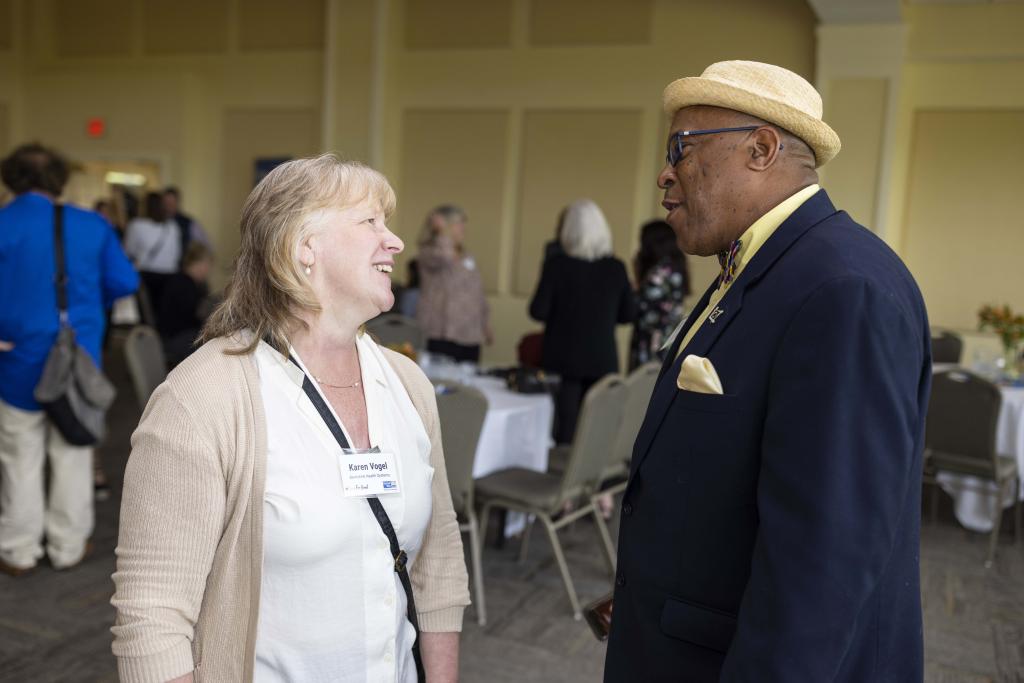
[{"x": 73, "y": 392}]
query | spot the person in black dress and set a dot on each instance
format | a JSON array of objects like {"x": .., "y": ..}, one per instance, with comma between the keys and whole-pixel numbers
[
  {"x": 179, "y": 316},
  {"x": 581, "y": 296}
]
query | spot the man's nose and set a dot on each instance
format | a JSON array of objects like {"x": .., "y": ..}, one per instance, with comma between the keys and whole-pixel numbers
[{"x": 667, "y": 177}]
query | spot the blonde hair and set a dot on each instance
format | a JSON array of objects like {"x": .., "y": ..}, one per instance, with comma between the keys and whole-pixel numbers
[
  {"x": 585, "y": 233},
  {"x": 267, "y": 290},
  {"x": 449, "y": 214}
]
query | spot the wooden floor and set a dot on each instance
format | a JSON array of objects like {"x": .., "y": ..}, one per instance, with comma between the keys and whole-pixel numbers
[{"x": 54, "y": 627}]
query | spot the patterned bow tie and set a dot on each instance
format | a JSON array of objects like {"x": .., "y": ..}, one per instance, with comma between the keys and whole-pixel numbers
[{"x": 727, "y": 260}]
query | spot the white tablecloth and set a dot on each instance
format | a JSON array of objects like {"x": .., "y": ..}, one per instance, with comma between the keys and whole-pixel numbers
[
  {"x": 517, "y": 429},
  {"x": 974, "y": 508}
]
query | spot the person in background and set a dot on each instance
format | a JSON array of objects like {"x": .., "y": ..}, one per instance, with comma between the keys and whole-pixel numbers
[
  {"x": 452, "y": 309},
  {"x": 106, "y": 208},
  {"x": 554, "y": 246},
  {"x": 662, "y": 285},
  {"x": 153, "y": 242},
  {"x": 581, "y": 296},
  {"x": 409, "y": 301},
  {"x": 190, "y": 229},
  {"x": 242, "y": 555},
  {"x": 97, "y": 272},
  {"x": 179, "y": 313}
]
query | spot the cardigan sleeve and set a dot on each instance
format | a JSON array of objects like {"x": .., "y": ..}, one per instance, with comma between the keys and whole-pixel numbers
[
  {"x": 439, "y": 578},
  {"x": 172, "y": 513}
]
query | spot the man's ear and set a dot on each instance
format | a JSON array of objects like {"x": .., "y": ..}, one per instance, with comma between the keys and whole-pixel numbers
[{"x": 764, "y": 146}]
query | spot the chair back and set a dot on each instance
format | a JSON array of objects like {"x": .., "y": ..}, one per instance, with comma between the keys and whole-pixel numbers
[
  {"x": 962, "y": 414},
  {"x": 947, "y": 347},
  {"x": 395, "y": 328},
  {"x": 462, "y": 410},
  {"x": 639, "y": 387},
  {"x": 593, "y": 446},
  {"x": 146, "y": 362}
]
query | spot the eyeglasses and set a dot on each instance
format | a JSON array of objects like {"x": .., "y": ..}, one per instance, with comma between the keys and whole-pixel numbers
[{"x": 675, "y": 143}]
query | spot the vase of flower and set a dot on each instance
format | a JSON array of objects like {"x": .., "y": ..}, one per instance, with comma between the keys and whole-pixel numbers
[{"x": 1010, "y": 328}]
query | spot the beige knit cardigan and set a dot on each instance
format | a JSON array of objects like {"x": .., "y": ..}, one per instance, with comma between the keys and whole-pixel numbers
[{"x": 190, "y": 549}]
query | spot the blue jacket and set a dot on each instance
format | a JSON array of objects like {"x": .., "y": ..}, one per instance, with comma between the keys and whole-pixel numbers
[
  {"x": 98, "y": 272},
  {"x": 771, "y": 534}
]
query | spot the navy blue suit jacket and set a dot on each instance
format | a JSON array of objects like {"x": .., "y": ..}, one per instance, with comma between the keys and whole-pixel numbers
[{"x": 771, "y": 533}]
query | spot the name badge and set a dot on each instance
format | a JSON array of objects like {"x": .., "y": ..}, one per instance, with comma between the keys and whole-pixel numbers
[{"x": 368, "y": 473}]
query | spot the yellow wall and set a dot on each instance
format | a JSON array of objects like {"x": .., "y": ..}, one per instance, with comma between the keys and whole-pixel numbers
[
  {"x": 956, "y": 175},
  {"x": 511, "y": 108},
  {"x": 559, "y": 99}
]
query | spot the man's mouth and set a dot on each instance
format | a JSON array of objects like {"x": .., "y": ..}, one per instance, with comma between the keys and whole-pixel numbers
[
  {"x": 382, "y": 267},
  {"x": 671, "y": 205}
]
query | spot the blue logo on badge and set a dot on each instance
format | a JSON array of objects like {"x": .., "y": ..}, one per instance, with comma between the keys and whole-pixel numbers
[{"x": 389, "y": 484}]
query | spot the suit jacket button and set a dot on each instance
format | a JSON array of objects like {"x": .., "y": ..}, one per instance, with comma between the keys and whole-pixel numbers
[
  {"x": 620, "y": 580},
  {"x": 627, "y": 509}
]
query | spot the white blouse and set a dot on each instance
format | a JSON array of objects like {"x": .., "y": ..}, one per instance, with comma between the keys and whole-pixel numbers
[{"x": 332, "y": 607}]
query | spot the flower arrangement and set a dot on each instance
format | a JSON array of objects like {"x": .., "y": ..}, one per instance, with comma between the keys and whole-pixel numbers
[{"x": 1002, "y": 321}]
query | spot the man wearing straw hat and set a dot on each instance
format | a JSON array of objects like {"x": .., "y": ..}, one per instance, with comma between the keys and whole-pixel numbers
[{"x": 770, "y": 528}]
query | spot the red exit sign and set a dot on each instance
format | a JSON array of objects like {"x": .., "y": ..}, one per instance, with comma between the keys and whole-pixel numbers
[{"x": 96, "y": 127}]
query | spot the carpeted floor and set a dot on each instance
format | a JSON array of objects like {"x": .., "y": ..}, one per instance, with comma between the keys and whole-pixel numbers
[{"x": 54, "y": 627}]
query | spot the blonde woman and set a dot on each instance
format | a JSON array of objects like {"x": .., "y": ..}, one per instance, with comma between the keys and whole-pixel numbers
[
  {"x": 583, "y": 293},
  {"x": 254, "y": 543},
  {"x": 452, "y": 308}
]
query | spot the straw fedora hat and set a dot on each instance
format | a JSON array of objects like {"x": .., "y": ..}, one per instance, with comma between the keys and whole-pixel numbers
[{"x": 766, "y": 91}]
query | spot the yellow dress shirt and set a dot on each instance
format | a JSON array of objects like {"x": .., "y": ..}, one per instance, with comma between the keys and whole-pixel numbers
[{"x": 750, "y": 241}]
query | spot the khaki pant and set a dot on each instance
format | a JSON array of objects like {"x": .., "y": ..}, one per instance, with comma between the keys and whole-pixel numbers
[{"x": 66, "y": 515}]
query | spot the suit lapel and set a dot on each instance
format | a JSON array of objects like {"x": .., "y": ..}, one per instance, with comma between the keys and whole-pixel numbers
[{"x": 816, "y": 209}]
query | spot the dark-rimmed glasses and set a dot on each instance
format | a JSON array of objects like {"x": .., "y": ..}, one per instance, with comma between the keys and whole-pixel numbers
[{"x": 675, "y": 142}]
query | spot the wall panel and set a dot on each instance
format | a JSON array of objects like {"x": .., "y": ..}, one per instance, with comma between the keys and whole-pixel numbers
[
  {"x": 856, "y": 110},
  {"x": 458, "y": 157},
  {"x": 591, "y": 22},
  {"x": 185, "y": 26},
  {"x": 92, "y": 28},
  {"x": 276, "y": 25},
  {"x": 6, "y": 25},
  {"x": 568, "y": 155},
  {"x": 964, "y": 230},
  {"x": 250, "y": 134},
  {"x": 457, "y": 24}
]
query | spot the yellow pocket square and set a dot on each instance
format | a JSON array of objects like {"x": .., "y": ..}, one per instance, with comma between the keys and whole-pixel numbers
[{"x": 698, "y": 374}]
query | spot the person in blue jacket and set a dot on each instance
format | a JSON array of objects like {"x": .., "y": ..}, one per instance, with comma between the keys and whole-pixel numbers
[
  {"x": 770, "y": 530},
  {"x": 97, "y": 273}
]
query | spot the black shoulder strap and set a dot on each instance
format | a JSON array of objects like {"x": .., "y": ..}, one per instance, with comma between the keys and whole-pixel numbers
[
  {"x": 379, "y": 513},
  {"x": 60, "y": 277}
]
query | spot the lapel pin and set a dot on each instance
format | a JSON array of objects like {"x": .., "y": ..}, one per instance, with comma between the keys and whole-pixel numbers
[{"x": 715, "y": 313}]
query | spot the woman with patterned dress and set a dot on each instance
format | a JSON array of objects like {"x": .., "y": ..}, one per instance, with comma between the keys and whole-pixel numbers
[{"x": 662, "y": 284}]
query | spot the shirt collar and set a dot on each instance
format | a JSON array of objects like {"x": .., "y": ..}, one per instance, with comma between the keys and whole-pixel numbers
[
  {"x": 369, "y": 364},
  {"x": 742, "y": 250}
]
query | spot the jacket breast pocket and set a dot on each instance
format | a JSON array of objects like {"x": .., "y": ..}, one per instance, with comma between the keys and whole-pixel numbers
[
  {"x": 697, "y": 624},
  {"x": 706, "y": 403}
]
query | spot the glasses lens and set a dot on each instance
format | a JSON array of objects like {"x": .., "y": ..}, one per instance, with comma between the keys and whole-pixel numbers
[{"x": 675, "y": 151}]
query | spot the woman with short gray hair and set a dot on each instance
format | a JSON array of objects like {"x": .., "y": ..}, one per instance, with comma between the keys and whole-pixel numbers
[
  {"x": 286, "y": 497},
  {"x": 581, "y": 296}
]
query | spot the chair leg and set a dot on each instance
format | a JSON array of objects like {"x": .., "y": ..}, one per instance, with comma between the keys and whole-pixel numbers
[
  {"x": 577, "y": 613},
  {"x": 524, "y": 545},
  {"x": 476, "y": 553},
  {"x": 996, "y": 523},
  {"x": 606, "y": 537}
]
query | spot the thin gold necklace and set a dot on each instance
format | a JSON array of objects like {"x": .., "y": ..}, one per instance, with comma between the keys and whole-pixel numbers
[{"x": 337, "y": 386}]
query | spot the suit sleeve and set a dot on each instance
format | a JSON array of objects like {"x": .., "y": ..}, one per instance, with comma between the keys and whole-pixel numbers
[
  {"x": 543, "y": 298},
  {"x": 838, "y": 462}
]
